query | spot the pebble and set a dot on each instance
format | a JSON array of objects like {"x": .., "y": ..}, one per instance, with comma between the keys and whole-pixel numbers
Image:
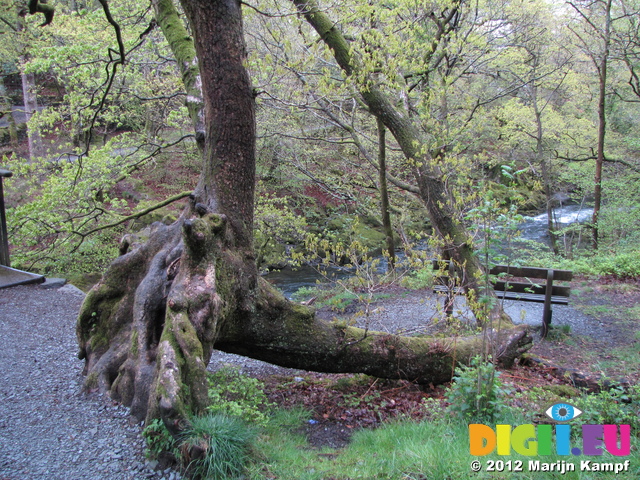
[{"x": 49, "y": 430}]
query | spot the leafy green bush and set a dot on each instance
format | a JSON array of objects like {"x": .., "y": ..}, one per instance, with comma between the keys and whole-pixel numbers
[
  {"x": 621, "y": 264},
  {"x": 221, "y": 446},
  {"x": 477, "y": 393},
  {"x": 234, "y": 394},
  {"x": 305, "y": 293},
  {"x": 624, "y": 264},
  {"x": 418, "y": 279}
]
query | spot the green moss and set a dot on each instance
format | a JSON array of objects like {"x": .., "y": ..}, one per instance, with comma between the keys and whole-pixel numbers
[
  {"x": 183, "y": 338},
  {"x": 84, "y": 281},
  {"x": 98, "y": 342},
  {"x": 91, "y": 381},
  {"x": 134, "y": 343},
  {"x": 95, "y": 320},
  {"x": 352, "y": 228},
  {"x": 566, "y": 391}
]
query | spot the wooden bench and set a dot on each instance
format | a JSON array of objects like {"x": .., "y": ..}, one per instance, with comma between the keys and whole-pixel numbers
[{"x": 513, "y": 283}]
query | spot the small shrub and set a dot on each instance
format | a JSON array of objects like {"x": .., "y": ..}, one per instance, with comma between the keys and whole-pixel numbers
[
  {"x": 159, "y": 440},
  {"x": 234, "y": 394},
  {"x": 217, "y": 447},
  {"x": 615, "y": 406},
  {"x": 305, "y": 293},
  {"x": 477, "y": 393},
  {"x": 419, "y": 279},
  {"x": 559, "y": 333},
  {"x": 340, "y": 302}
]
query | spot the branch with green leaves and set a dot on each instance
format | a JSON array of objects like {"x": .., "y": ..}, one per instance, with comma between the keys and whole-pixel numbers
[{"x": 133, "y": 216}]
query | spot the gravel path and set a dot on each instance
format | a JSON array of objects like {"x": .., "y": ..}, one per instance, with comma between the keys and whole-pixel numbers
[
  {"x": 48, "y": 429},
  {"x": 418, "y": 312}
]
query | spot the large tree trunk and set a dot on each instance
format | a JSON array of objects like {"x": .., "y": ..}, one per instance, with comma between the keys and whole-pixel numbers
[
  {"x": 148, "y": 328},
  {"x": 602, "y": 122}
]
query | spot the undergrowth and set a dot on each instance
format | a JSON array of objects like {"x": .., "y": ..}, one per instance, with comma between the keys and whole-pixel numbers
[
  {"x": 234, "y": 394},
  {"x": 436, "y": 449}
]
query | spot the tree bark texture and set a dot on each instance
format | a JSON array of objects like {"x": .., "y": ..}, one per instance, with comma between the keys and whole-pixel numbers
[{"x": 147, "y": 330}]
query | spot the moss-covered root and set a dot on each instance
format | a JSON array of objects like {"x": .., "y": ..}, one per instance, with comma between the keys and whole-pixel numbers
[
  {"x": 193, "y": 310},
  {"x": 116, "y": 320},
  {"x": 290, "y": 335}
]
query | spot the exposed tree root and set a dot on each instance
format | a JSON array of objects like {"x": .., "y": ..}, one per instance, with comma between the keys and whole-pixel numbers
[{"x": 148, "y": 328}]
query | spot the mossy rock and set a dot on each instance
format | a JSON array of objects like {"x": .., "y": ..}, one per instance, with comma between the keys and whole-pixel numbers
[
  {"x": 565, "y": 391},
  {"x": 85, "y": 281},
  {"x": 350, "y": 228}
]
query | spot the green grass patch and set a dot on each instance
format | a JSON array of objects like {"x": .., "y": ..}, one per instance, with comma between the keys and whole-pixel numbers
[
  {"x": 336, "y": 298},
  {"x": 620, "y": 362},
  {"x": 223, "y": 445},
  {"x": 434, "y": 450},
  {"x": 597, "y": 310},
  {"x": 633, "y": 313}
]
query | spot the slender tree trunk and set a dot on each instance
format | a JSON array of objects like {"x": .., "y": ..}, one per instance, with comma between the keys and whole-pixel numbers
[
  {"x": 384, "y": 195},
  {"x": 602, "y": 124},
  {"x": 544, "y": 165},
  {"x": 31, "y": 107}
]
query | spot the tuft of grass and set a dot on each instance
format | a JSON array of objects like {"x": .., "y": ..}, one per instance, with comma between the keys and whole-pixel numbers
[
  {"x": 559, "y": 333},
  {"x": 217, "y": 447}
]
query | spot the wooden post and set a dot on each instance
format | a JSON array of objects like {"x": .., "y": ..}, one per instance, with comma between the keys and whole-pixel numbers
[
  {"x": 4, "y": 238},
  {"x": 546, "y": 315}
]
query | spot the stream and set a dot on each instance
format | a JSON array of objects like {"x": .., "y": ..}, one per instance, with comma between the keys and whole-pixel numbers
[
  {"x": 535, "y": 228},
  {"x": 289, "y": 280}
]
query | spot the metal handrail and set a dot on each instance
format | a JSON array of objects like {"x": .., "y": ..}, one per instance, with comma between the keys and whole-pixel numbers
[{"x": 4, "y": 237}]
